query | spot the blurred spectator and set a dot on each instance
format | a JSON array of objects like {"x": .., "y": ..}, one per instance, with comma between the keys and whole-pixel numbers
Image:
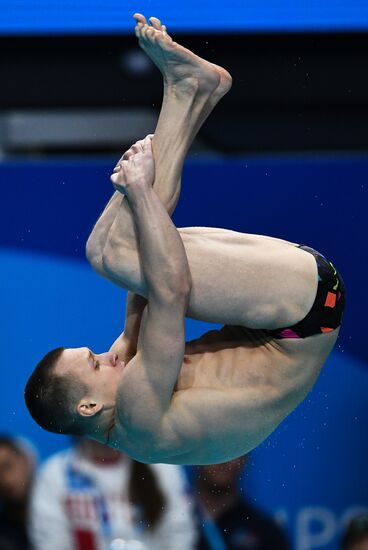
[
  {"x": 356, "y": 534},
  {"x": 16, "y": 472},
  {"x": 227, "y": 521},
  {"x": 86, "y": 497}
]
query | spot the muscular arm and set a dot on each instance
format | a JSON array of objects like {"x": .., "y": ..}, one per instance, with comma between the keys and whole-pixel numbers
[
  {"x": 117, "y": 218},
  {"x": 146, "y": 393},
  {"x": 126, "y": 343},
  {"x": 168, "y": 190}
]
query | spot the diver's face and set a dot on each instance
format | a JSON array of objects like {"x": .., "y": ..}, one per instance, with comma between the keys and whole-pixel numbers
[{"x": 100, "y": 373}]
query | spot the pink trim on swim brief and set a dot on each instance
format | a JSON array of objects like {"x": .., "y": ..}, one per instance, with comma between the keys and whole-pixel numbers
[{"x": 288, "y": 333}]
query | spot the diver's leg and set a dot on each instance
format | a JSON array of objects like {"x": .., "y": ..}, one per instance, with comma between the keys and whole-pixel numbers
[
  {"x": 214, "y": 83},
  {"x": 192, "y": 88},
  {"x": 97, "y": 238}
]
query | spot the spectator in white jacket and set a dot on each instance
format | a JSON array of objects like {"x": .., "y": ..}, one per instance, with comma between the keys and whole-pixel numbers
[{"x": 87, "y": 497}]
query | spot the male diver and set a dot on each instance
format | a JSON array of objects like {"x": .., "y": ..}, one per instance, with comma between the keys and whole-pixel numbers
[{"x": 153, "y": 395}]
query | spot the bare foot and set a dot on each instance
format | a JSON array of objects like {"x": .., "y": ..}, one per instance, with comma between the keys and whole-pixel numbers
[{"x": 177, "y": 64}]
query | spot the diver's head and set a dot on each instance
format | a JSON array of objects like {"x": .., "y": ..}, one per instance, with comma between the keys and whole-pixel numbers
[{"x": 73, "y": 391}]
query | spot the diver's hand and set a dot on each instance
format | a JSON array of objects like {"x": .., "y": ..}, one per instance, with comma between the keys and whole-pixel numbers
[
  {"x": 123, "y": 348},
  {"x": 138, "y": 171},
  {"x": 133, "y": 150}
]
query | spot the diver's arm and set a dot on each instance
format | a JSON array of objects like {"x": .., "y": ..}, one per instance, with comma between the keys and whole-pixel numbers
[
  {"x": 126, "y": 344},
  {"x": 152, "y": 377}
]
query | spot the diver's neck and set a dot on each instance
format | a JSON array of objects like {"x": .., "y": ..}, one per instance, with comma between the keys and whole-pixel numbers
[{"x": 103, "y": 428}]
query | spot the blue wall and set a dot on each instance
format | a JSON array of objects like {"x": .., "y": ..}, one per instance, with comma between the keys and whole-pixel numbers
[
  {"x": 115, "y": 16},
  {"x": 311, "y": 472},
  {"x": 321, "y": 201}
]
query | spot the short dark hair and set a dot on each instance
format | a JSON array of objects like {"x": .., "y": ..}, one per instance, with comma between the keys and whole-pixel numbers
[
  {"x": 51, "y": 399},
  {"x": 356, "y": 532}
]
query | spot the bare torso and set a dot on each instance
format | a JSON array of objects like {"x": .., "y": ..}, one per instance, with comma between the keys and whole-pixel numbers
[
  {"x": 237, "y": 384},
  {"x": 251, "y": 381},
  {"x": 273, "y": 375},
  {"x": 234, "y": 357}
]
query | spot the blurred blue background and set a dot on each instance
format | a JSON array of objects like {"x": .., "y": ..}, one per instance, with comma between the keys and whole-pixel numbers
[
  {"x": 83, "y": 16},
  {"x": 311, "y": 473},
  {"x": 284, "y": 154}
]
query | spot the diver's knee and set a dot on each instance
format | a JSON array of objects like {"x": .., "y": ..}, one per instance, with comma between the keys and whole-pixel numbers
[
  {"x": 94, "y": 254},
  {"x": 108, "y": 258}
]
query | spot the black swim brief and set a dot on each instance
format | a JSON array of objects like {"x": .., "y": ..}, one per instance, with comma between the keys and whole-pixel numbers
[{"x": 326, "y": 312}]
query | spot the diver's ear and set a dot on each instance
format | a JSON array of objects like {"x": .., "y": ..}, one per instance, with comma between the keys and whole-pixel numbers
[{"x": 86, "y": 407}]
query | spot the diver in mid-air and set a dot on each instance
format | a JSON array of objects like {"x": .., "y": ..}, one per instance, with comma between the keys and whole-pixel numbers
[{"x": 153, "y": 395}]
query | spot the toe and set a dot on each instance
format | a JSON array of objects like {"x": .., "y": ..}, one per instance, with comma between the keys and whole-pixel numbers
[
  {"x": 151, "y": 34},
  {"x": 140, "y": 18},
  {"x": 156, "y": 23},
  {"x": 143, "y": 34},
  {"x": 164, "y": 41},
  {"x": 138, "y": 29},
  {"x": 165, "y": 33}
]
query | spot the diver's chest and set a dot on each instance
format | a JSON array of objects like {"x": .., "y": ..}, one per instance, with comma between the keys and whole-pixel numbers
[{"x": 226, "y": 368}]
